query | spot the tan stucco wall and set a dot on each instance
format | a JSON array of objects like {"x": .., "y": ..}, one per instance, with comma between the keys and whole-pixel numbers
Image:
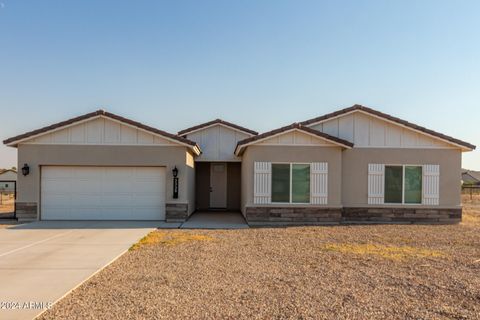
[
  {"x": 355, "y": 171},
  {"x": 84, "y": 155},
  {"x": 306, "y": 154}
]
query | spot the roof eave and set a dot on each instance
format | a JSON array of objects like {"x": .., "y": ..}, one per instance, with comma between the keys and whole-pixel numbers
[
  {"x": 241, "y": 146},
  {"x": 14, "y": 141}
]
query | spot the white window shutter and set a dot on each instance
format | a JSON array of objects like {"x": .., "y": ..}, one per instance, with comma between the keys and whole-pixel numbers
[
  {"x": 376, "y": 183},
  {"x": 262, "y": 183},
  {"x": 319, "y": 183},
  {"x": 431, "y": 184}
]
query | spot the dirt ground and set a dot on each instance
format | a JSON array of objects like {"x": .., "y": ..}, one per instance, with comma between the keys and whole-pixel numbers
[{"x": 340, "y": 272}]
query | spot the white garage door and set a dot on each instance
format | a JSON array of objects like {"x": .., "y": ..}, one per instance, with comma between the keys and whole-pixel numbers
[{"x": 103, "y": 193}]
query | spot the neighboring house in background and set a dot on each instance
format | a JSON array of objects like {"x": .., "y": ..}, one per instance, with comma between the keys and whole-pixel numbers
[
  {"x": 470, "y": 177},
  {"x": 8, "y": 178},
  {"x": 356, "y": 165}
]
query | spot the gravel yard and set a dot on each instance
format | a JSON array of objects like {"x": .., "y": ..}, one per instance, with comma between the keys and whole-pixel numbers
[{"x": 345, "y": 272}]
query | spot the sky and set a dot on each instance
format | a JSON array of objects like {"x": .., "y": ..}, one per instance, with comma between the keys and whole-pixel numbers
[{"x": 260, "y": 64}]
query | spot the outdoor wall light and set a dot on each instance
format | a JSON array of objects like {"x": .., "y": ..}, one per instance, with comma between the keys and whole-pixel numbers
[
  {"x": 25, "y": 169},
  {"x": 175, "y": 172}
]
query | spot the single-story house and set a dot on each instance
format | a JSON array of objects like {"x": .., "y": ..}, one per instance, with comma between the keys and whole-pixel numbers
[
  {"x": 470, "y": 177},
  {"x": 356, "y": 165},
  {"x": 8, "y": 178}
]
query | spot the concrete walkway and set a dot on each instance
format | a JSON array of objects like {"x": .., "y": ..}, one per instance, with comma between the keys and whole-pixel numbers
[
  {"x": 41, "y": 262},
  {"x": 215, "y": 220}
]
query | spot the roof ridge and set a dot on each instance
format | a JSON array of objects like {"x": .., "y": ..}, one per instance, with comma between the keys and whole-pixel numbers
[{"x": 213, "y": 122}]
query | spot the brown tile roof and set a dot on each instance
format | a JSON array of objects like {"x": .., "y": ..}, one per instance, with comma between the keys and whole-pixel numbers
[
  {"x": 297, "y": 126},
  {"x": 216, "y": 121},
  {"x": 105, "y": 114},
  {"x": 390, "y": 118},
  {"x": 7, "y": 170}
]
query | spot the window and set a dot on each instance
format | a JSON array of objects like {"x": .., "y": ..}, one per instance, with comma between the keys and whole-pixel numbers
[
  {"x": 403, "y": 184},
  {"x": 413, "y": 184},
  {"x": 393, "y": 184},
  {"x": 300, "y": 183},
  {"x": 291, "y": 183},
  {"x": 280, "y": 183}
]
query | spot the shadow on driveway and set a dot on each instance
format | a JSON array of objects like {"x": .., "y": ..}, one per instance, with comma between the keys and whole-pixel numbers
[{"x": 94, "y": 225}]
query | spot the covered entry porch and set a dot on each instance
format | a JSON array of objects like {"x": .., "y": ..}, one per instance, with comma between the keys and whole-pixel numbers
[
  {"x": 215, "y": 220},
  {"x": 217, "y": 186}
]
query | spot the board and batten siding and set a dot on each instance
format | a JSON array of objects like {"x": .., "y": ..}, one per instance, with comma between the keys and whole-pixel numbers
[
  {"x": 430, "y": 184},
  {"x": 368, "y": 131},
  {"x": 217, "y": 143},
  {"x": 101, "y": 131},
  {"x": 296, "y": 138},
  {"x": 262, "y": 185}
]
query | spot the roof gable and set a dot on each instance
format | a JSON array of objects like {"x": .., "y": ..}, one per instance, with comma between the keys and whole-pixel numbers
[
  {"x": 216, "y": 122},
  {"x": 474, "y": 175},
  {"x": 294, "y": 134},
  {"x": 100, "y": 127},
  {"x": 8, "y": 174},
  {"x": 217, "y": 142},
  {"x": 367, "y": 127}
]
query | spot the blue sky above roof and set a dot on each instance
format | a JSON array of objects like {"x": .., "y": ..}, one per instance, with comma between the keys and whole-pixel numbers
[{"x": 262, "y": 65}]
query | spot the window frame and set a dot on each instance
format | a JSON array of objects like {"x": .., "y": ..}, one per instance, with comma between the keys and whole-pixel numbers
[
  {"x": 403, "y": 185},
  {"x": 290, "y": 183}
]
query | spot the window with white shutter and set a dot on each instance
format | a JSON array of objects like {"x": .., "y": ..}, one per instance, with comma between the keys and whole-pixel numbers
[
  {"x": 431, "y": 184},
  {"x": 319, "y": 183},
  {"x": 376, "y": 183},
  {"x": 262, "y": 183}
]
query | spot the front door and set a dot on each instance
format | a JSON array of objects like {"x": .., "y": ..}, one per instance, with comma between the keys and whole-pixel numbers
[{"x": 218, "y": 185}]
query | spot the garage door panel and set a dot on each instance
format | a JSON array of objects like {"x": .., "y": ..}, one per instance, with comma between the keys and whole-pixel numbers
[
  {"x": 118, "y": 186},
  {"x": 87, "y": 173},
  {"x": 57, "y": 172},
  {"x": 56, "y": 186},
  {"x": 121, "y": 213},
  {"x": 103, "y": 193},
  {"x": 125, "y": 174},
  {"x": 147, "y": 212},
  {"x": 117, "y": 200},
  {"x": 85, "y": 186},
  {"x": 150, "y": 187},
  {"x": 89, "y": 213},
  {"x": 56, "y": 213},
  {"x": 147, "y": 175},
  {"x": 60, "y": 200},
  {"x": 146, "y": 200},
  {"x": 86, "y": 200}
]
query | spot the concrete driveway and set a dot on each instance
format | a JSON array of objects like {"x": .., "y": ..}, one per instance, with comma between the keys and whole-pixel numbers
[{"x": 41, "y": 262}]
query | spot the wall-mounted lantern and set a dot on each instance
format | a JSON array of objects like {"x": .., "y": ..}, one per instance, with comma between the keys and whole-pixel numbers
[
  {"x": 175, "y": 182},
  {"x": 175, "y": 172},
  {"x": 25, "y": 169}
]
